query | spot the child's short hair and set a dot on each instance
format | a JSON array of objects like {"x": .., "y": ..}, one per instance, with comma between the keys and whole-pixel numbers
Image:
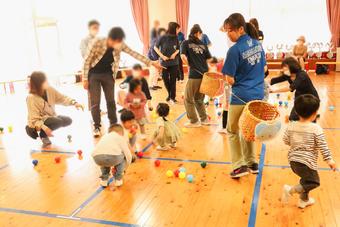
[
  {"x": 163, "y": 109},
  {"x": 306, "y": 105},
  {"x": 127, "y": 115},
  {"x": 214, "y": 60},
  {"x": 116, "y": 128},
  {"x": 93, "y": 22},
  {"x": 137, "y": 67},
  {"x": 292, "y": 64},
  {"x": 134, "y": 83}
]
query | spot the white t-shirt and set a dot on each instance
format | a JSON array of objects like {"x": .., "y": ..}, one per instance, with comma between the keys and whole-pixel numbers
[{"x": 113, "y": 144}]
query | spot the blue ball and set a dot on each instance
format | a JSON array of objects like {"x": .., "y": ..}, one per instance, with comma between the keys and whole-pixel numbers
[
  {"x": 182, "y": 169},
  {"x": 216, "y": 102},
  {"x": 35, "y": 162},
  {"x": 190, "y": 178},
  {"x": 331, "y": 108},
  {"x": 280, "y": 103}
]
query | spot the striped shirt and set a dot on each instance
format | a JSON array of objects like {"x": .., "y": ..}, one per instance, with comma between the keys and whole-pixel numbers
[
  {"x": 306, "y": 140},
  {"x": 97, "y": 50}
]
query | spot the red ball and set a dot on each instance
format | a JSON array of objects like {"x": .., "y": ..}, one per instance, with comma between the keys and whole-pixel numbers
[
  {"x": 79, "y": 152},
  {"x": 157, "y": 163},
  {"x": 176, "y": 172},
  {"x": 140, "y": 154},
  {"x": 57, "y": 159}
]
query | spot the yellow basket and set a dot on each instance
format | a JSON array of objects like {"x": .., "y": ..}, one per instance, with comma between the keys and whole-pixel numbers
[
  {"x": 255, "y": 112},
  {"x": 212, "y": 84}
]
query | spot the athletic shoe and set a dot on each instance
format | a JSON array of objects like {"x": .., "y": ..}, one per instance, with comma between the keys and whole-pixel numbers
[
  {"x": 96, "y": 132},
  {"x": 153, "y": 88},
  {"x": 134, "y": 158},
  {"x": 239, "y": 172},
  {"x": 46, "y": 142},
  {"x": 118, "y": 183},
  {"x": 286, "y": 193},
  {"x": 192, "y": 125},
  {"x": 160, "y": 148},
  {"x": 303, "y": 204},
  {"x": 157, "y": 87},
  {"x": 222, "y": 131},
  {"x": 206, "y": 122},
  {"x": 167, "y": 99},
  {"x": 254, "y": 168},
  {"x": 173, "y": 145},
  {"x": 104, "y": 183}
]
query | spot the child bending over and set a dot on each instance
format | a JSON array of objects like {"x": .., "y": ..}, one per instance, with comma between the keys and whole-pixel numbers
[
  {"x": 305, "y": 139},
  {"x": 167, "y": 133},
  {"x": 135, "y": 101},
  {"x": 112, "y": 151}
]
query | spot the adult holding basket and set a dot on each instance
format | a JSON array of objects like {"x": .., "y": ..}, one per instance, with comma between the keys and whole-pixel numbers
[{"x": 244, "y": 70}]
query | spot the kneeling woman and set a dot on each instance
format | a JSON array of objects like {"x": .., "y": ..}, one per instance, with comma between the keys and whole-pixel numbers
[{"x": 41, "y": 101}]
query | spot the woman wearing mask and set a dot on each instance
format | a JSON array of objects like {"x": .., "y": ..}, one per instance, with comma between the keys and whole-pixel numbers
[
  {"x": 244, "y": 70},
  {"x": 167, "y": 48}
]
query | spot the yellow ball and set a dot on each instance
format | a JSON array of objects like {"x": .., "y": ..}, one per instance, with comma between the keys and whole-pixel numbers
[
  {"x": 181, "y": 175},
  {"x": 184, "y": 130},
  {"x": 275, "y": 104},
  {"x": 169, "y": 173},
  {"x": 130, "y": 135}
]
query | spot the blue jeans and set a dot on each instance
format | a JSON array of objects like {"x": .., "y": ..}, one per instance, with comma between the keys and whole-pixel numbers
[{"x": 107, "y": 161}]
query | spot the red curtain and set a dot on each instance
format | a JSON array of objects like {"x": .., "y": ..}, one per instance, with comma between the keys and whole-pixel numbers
[
  {"x": 333, "y": 12},
  {"x": 182, "y": 14},
  {"x": 140, "y": 14}
]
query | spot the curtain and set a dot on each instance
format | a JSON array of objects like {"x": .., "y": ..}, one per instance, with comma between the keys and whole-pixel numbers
[
  {"x": 333, "y": 13},
  {"x": 182, "y": 14},
  {"x": 140, "y": 14}
]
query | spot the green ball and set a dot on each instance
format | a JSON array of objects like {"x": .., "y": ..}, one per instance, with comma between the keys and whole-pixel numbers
[{"x": 203, "y": 164}]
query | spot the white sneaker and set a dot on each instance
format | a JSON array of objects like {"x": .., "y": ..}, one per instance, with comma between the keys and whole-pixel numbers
[
  {"x": 192, "y": 125},
  {"x": 302, "y": 204},
  {"x": 143, "y": 136},
  {"x": 104, "y": 183},
  {"x": 97, "y": 133},
  {"x": 222, "y": 131},
  {"x": 286, "y": 193},
  {"x": 206, "y": 122},
  {"x": 173, "y": 145},
  {"x": 162, "y": 148},
  {"x": 118, "y": 183}
]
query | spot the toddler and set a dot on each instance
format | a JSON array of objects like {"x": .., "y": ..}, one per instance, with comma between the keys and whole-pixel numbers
[
  {"x": 167, "y": 133},
  {"x": 305, "y": 139},
  {"x": 112, "y": 150}
]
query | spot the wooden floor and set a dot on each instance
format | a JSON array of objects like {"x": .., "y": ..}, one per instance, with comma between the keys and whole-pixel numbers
[{"x": 69, "y": 194}]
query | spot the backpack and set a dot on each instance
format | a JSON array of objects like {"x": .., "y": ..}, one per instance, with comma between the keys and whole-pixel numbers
[{"x": 321, "y": 69}]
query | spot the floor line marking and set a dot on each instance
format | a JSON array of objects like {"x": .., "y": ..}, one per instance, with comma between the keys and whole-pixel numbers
[
  {"x": 288, "y": 167},
  {"x": 186, "y": 160},
  {"x": 51, "y": 151},
  {"x": 257, "y": 189}
]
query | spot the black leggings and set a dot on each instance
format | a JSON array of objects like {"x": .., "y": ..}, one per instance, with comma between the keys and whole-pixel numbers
[
  {"x": 169, "y": 78},
  {"x": 180, "y": 75},
  {"x": 52, "y": 122}
]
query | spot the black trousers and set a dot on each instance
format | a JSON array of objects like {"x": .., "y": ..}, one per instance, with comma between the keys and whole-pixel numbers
[
  {"x": 52, "y": 122},
  {"x": 96, "y": 82},
  {"x": 169, "y": 76},
  {"x": 309, "y": 178},
  {"x": 180, "y": 75}
]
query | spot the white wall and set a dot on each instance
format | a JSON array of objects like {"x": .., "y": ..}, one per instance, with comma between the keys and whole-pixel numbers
[{"x": 162, "y": 10}]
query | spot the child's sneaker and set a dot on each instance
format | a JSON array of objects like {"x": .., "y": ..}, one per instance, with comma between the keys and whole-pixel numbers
[
  {"x": 192, "y": 125},
  {"x": 239, "y": 172},
  {"x": 96, "y": 133},
  {"x": 104, "y": 183},
  {"x": 254, "y": 168},
  {"x": 222, "y": 131},
  {"x": 206, "y": 122},
  {"x": 302, "y": 204},
  {"x": 160, "y": 148},
  {"x": 286, "y": 194},
  {"x": 46, "y": 142},
  {"x": 172, "y": 145},
  {"x": 118, "y": 183}
]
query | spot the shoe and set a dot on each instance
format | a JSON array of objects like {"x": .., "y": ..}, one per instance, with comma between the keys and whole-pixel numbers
[
  {"x": 192, "y": 125},
  {"x": 175, "y": 101},
  {"x": 160, "y": 148},
  {"x": 167, "y": 99},
  {"x": 46, "y": 142},
  {"x": 134, "y": 158},
  {"x": 254, "y": 168},
  {"x": 239, "y": 172},
  {"x": 96, "y": 132},
  {"x": 206, "y": 122},
  {"x": 222, "y": 131},
  {"x": 286, "y": 194},
  {"x": 303, "y": 204},
  {"x": 104, "y": 183},
  {"x": 157, "y": 87},
  {"x": 173, "y": 145},
  {"x": 153, "y": 88},
  {"x": 143, "y": 136},
  {"x": 150, "y": 109},
  {"x": 118, "y": 183}
]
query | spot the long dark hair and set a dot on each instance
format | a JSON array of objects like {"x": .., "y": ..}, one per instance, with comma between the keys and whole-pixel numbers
[
  {"x": 293, "y": 65},
  {"x": 254, "y": 22},
  {"x": 36, "y": 81},
  {"x": 236, "y": 20},
  {"x": 194, "y": 30},
  {"x": 172, "y": 28},
  {"x": 163, "y": 110}
]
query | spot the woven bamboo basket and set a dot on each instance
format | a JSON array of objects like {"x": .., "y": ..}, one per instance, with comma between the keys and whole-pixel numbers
[
  {"x": 255, "y": 112},
  {"x": 212, "y": 84}
]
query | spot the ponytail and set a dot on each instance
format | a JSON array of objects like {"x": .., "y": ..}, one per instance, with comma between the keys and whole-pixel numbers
[
  {"x": 251, "y": 31},
  {"x": 236, "y": 20}
]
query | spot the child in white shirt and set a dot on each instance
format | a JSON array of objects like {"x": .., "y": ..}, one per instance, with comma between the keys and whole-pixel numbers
[{"x": 112, "y": 151}]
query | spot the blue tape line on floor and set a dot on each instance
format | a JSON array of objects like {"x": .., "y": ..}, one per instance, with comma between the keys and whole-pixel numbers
[
  {"x": 187, "y": 160},
  {"x": 288, "y": 167},
  {"x": 256, "y": 194},
  {"x": 52, "y": 151}
]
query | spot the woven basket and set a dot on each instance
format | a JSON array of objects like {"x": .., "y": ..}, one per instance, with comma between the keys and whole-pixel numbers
[
  {"x": 255, "y": 112},
  {"x": 212, "y": 84}
]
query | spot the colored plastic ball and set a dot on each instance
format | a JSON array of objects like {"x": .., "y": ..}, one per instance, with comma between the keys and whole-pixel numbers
[
  {"x": 280, "y": 103},
  {"x": 169, "y": 173},
  {"x": 331, "y": 108},
  {"x": 35, "y": 162},
  {"x": 176, "y": 172},
  {"x": 181, "y": 175},
  {"x": 203, "y": 164},
  {"x": 278, "y": 95},
  {"x": 216, "y": 102},
  {"x": 190, "y": 178},
  {"x": 157, "y": 163},
  {"x": 219, "y": 113},
  {"x": 275, "y": 104},
  {"x": 140, "y": 154},
  {"x": 57, "y": 159},
  {"x": 79, "y": 152},
  {"x": 289, "y": 97},
  {"x": 182, "y": 169},
  {"x": 10, "y": 128}
]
